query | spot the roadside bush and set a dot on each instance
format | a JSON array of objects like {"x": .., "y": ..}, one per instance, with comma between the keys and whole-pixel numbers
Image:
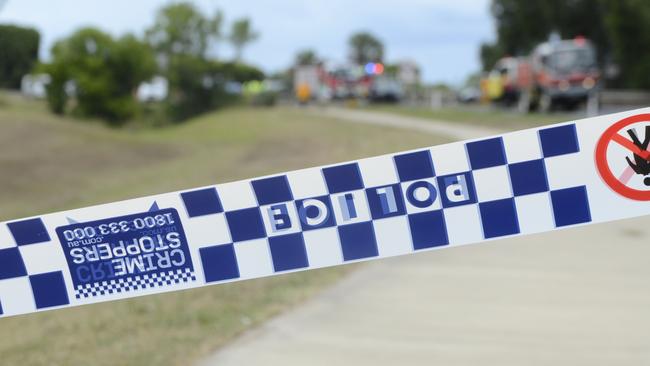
[
  {"x": 192, "y": 88},
  {"x": 240, "y": 72},
  {"x": 57, "y": 98},
  {"x": 181, "y": 36},
  {"x": 18, "y": 54},
  {"x": 264, "y": 99},
  {"x": 257, "y": 94},
  {"x": 105, "y": 73},
  {"x": 95, "y": 75},
  {"x": 197, "y": 85}
]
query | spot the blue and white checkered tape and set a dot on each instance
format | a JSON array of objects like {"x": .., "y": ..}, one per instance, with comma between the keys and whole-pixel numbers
[{"x": 524, "y": 182}]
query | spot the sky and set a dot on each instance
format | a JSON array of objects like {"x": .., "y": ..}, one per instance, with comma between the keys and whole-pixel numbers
[{"x": 441, "y": 36}]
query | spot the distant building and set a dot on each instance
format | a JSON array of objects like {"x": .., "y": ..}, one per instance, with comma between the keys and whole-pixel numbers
[
  {"x": 408, "y": 72},
  {"x": 35, "y": 85},
  {"x": 155, "y": 90}
]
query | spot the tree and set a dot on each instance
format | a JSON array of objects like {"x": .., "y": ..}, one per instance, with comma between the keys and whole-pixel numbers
[
  {"x": 306, "y": 57},
  {"x": 521, "y": 25},
  {"x": 55, "y": 89},
  {"x": 182, "y": 35},
  {"x": 181, "y": 29},
  {"x": 198, "y": 85},
  {"x": 241, "y": 34},
  {"x": 105, "y": 72},
  {"x": 364, "y": 48},
  {"x": 18, "y": 54},
  {"x": 490, "y": 53},
  {"x": 133, "y": 61},
  {"x": 628, "y": 23}
]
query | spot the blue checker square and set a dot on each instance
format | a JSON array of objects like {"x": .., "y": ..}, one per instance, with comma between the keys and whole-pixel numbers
[
  {"x": 315, "y": 213},
  {"x": 202, "y": 202},
  {"x": 288, "y": 252},
  {"x": 358, "y": 241},
  {"x": 499, "y": 218},
  {"x": 343, "y": 178},
  {"x": 30, "y": 231},
  {"x": 246, "y": 224},
  {"x": 412, "y": 166},
  {"x": 219, "y": 262},
  {"x": 49, "y": 289},
  {"x": 559, "y": 140},
  {"x": 486, "y": 153},
  {"x": 428, "y": 229},
  {"x": 528, "y": 177},
  {"x": 272, "y": 190},
  {"x": 11, "y": 264},
  {"x": 570, "y": 206},
  {"x": 386, "y": 201}
]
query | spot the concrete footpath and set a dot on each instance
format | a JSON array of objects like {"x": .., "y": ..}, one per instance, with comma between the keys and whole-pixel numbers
[{"x": 572, "y": 297}]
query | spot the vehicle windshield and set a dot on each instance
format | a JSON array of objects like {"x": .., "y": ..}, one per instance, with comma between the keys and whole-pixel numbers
[{"x": 570, "y": 60}]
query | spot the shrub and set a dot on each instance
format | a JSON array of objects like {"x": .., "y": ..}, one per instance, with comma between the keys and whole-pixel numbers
[
  {"x": 18, "y": 54},
  {"x": 197, "y": 85},
  {"x": 105, "y": 72}
]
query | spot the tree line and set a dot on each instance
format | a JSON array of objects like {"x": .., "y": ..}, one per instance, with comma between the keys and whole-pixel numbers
[
  {"x": 93, "y": 74},
  {"x": 18, "y": 54},
  {"x": 620, "y": 29}
]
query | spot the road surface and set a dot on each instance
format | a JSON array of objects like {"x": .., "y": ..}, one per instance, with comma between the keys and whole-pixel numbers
[
  {"x": 579, "y": 296},
  {"x": 454, "y": 130}
]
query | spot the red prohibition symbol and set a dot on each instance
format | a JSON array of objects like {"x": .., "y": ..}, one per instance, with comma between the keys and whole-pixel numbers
[{"x": 641, "y": 155}]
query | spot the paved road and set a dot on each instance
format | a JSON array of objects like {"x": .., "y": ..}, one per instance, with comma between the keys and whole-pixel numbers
[
  {"x": 456, "y": 131},
  {"x": 573, "y": 297}
]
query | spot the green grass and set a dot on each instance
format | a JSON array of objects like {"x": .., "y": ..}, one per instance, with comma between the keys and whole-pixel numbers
[
  {"x": 49, "y": 163},
  {"x": 497, "y": 118}
]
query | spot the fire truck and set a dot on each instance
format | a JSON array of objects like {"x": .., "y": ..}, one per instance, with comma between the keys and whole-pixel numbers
[{"x": 557, "y": 73}]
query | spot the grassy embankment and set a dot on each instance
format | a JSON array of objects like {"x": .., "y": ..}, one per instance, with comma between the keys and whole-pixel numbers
[{"x": 49, "y": 163}]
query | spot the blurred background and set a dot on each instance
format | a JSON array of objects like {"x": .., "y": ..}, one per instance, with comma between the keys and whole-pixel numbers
[
  {"x": 101, "y": 101},
  {"x": 159, "y": 63}
]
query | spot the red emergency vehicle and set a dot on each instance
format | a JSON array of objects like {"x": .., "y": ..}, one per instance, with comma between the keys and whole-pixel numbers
[{"x": 557, "y": 73}]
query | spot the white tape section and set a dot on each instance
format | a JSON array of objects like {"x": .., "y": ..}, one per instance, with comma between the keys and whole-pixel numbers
[{"x": 530, "y": 181}]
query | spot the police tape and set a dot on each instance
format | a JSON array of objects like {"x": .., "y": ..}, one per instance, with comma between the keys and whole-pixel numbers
[{"x": 525, "y": 182}]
